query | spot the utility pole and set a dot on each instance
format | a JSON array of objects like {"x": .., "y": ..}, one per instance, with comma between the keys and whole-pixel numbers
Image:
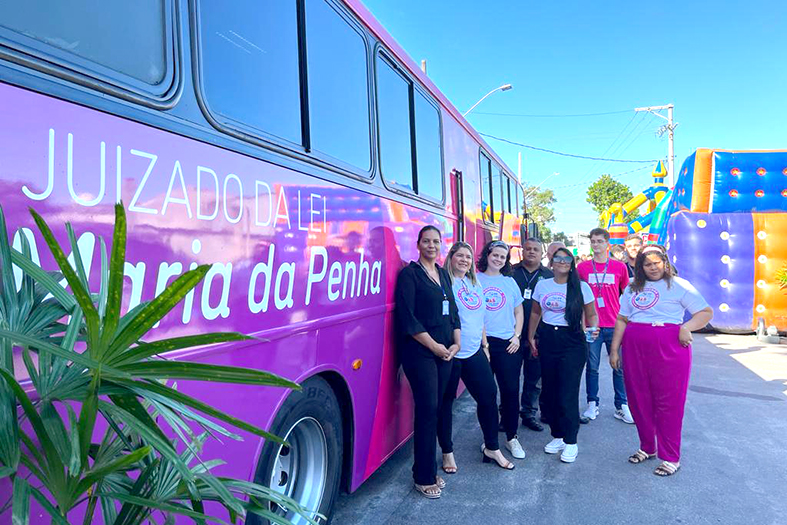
[
  {"x": 519, "y": 171},
  {"x": 423, "y": 66},
  {"x": 669, "y": 129}
]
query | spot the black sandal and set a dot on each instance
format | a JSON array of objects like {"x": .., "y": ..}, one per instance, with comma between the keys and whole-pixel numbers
[
  {"x": 666, "y": 469},
  {"x": 640, "y": 456},
  {"x": 489, "y": 459}
]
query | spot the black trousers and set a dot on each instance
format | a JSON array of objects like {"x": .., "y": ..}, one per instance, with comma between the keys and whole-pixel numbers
[
  {"x": 477, "y": 376},
  {"x": 531, "y": 388},
  {"x": 507, "y": 369},
  {"x": 563, "y": 354},
  {"x": 428, "y": 377}
]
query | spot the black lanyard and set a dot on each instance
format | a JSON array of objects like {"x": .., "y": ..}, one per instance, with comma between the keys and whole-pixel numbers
[
  {"x": 439, "y": 284},
  {"x": 530, "y": 280}
]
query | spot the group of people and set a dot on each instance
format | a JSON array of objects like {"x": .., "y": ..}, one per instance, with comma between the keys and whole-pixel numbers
[{"x": 487, "y": 322}]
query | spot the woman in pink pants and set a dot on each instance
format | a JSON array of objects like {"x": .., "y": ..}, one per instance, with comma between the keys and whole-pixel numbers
[{"x": 657, "y": 365}]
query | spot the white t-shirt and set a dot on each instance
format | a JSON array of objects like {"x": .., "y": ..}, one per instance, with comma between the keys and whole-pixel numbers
[
  {"x": 552, "y": 298},
  {"x": 658, "y": 304},
  {"x": 502, "y": 296},
  {"x": 470, "y": 303}
]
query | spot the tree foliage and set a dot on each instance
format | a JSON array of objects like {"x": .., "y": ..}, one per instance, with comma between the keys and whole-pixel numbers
[
  {"x": 607, "y": 191},
  {"x": 540, "y": 206}
]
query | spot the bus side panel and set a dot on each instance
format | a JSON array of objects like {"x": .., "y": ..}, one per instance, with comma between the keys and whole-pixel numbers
[{"x": 306, "y": 264}]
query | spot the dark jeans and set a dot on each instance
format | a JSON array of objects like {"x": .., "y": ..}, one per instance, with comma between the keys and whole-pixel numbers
[
  {"x": 428, "y": 377},
  {"x": 507, "y": 369},
  {"x": 531, "y": 389},
  {"x": 477, "y": 376},
  {"x": 591, "y": 372},
  {"x": 563, "y": 353}
]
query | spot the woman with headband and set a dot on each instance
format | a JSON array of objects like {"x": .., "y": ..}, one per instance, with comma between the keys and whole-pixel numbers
[
  {"x": 503, "y": 321},
  {"x": 470, "y": 364},
  {"x": 428, "y": 329},
  {"x": 658, "y": 354}
]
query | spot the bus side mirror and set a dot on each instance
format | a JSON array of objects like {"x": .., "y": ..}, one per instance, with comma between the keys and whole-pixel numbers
[{"x": 532, "y": 231}]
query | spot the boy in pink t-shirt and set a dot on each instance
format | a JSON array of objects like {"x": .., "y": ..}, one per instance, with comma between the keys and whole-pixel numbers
[{"x": 608, "y": 278}]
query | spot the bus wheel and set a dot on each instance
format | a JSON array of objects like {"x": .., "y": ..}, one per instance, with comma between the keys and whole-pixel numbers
[{"x": 309, "y": 469}]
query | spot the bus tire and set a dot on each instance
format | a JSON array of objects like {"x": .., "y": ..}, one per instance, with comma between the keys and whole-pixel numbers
[{"x": 309, "y": 471}]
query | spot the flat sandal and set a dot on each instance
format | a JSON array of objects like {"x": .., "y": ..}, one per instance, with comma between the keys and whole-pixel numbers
[{"x": 640, "y": 456}]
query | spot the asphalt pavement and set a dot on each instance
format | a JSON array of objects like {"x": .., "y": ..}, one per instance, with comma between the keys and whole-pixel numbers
[{"x": 733, "y": 465}]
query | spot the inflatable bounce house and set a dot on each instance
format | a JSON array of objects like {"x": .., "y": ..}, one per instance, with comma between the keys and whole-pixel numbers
[
  {"x": 727, "y": 234},
  {"x": 656, "y": 196},
  {"x": 725, "y": 228}
]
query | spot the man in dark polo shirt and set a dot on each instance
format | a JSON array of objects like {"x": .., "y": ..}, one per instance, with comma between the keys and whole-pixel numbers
[
  {"x": 526, "y": 274},
  {"x": 633, "y": 244}
]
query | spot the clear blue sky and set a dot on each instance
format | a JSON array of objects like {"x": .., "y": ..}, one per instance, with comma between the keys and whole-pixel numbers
[{"x": 721, "y": 63}]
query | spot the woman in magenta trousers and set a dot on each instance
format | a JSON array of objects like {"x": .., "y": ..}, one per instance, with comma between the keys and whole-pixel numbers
[{"x": 657, "y": 364}]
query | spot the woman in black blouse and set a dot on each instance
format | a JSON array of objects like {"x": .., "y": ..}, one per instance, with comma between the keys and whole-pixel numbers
[{"x": 428, "y": 329}]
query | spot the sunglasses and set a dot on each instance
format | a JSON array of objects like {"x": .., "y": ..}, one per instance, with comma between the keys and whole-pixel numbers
[
  {"x": 498, "y": 244},
  {"x": 565, "y": 259}
]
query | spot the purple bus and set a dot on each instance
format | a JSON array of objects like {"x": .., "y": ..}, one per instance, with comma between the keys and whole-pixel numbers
[{"x": 295, "y": 147}]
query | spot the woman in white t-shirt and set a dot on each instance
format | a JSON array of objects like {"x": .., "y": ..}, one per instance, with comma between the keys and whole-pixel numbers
[
  {"x": 470, "y": 364},
  {"x": 503, "y": 321},
  {"x": 658, "y": 354},
  {"x": 556, "y": 337}
]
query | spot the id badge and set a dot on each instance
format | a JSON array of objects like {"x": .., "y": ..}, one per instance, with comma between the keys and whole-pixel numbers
[
  {"x": 600, "y": 301},
  {"x": 528, "y": 294},
  {"x": 445, "y": 307}
]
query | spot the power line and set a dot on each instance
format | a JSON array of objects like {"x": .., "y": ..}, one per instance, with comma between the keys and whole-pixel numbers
[
  {"x": 588, "y": 183},
  {"x": 553, "y": 152},
  {"x": 557, "y": 115}
]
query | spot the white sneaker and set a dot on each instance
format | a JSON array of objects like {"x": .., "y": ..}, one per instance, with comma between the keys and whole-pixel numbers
[
  {"x": 554, "y": 446},
  {"x": 516, "y": 449},
  {"x": 591, "y": 411},
  {"x": 624, "y": 414},
  {"x": 569, "y": 454}
]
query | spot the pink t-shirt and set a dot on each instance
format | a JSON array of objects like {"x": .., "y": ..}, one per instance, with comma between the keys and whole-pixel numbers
[{"x": 608, "y": 282}]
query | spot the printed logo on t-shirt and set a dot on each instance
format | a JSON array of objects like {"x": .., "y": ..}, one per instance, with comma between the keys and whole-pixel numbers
[
  {"x": 495, "y": 298},
  {"x": 645, "y": 299},
  {"x": 554, "y": 302},
  {"x": 469, "y": 298},
  {"x": 599, "y": 279}
]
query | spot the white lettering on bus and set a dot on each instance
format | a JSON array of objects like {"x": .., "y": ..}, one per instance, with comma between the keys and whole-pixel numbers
[
  {"x": 133, "y": 205},
  {"x": 223, "y": 309},
  {"x": 334, "y": 277},
  {"x": 169, "y": 198},
  {"x": 233, "y": 220},
  {"x": 266, "y": 269},
  {"x": 257, "y": 184},
  {"x": 196, "y": 247},
  {"x": 282, "y": 199},
  {"x": 200, "y": 171},
  {"x": 312, "y": 277},
  {"x": 136, "y": 273},
  {"x": 286, "y": 301},
  {"x": 70, "y": 174},
  {"x": 50, "y": 182}
]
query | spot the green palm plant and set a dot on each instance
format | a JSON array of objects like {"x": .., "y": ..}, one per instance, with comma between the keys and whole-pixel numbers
[{"x": 135, "y": 472}]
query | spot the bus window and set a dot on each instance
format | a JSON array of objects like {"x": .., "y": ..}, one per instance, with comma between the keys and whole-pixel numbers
[
  {"x": 497, "y": 192},
  {"x": 486, "y": 186},
  {"x": 393, "y": 106},
  {"x": 250, "y": 64},
  {"x": 427, "y": 147},
  {"x": 508, "y": 188},
  {"x": 128, "y": 38},
  {"x": 517, "y": 201},
  {"x": 338, "y": 86}
]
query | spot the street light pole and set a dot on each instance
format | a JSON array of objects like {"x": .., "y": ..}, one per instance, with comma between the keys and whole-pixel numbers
[
  {"x": 669, "y": 129},
  {"x": 504, "y": 87}
]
